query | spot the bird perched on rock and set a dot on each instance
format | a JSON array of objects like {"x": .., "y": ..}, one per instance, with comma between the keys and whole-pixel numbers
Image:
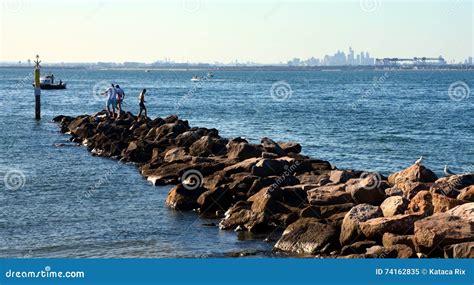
[
  {"x": 419, "y": 160},
  {"x": 448, "y": 172}
]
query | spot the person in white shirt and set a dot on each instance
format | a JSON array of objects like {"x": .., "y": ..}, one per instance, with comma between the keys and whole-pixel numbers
[{"x": 111, "y": 100}]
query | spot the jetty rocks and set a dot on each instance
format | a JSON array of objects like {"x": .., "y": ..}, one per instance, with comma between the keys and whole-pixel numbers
[{"x": 270, "y": 187}]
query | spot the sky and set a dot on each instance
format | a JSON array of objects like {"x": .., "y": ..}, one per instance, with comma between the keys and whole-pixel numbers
[{"x": 210, "y": 31}]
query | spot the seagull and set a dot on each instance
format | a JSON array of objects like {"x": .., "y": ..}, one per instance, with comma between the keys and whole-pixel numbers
[
  {"x": 448, "y": 172},
  {"x": 418, "y": 162}
]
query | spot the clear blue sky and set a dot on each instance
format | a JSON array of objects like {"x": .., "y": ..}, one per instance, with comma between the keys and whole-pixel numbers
[{"x": 208, "y": 31}]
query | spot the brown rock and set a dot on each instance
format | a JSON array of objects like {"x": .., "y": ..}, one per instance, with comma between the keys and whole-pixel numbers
[
  {"x": 270, "y": 146},
  {"x": 174, "y": 154},
  {"x": 368, "y": 190},
  {"x": 389, "y": 239},
  {"x": 467, "y": 194},
  {"x": 350, "y": 230},
  {"x": 428, "y": 203},
  {"x": 241, "y": 215},
  {"x": 324, "y": 212},
  {"x": 359, "y": 247},
  {"x": 396, "y": 251},
  {"x": 290, "y": 147},
  {"x": 410, "y": 189},
  {"x": 218, "y": 199},
  {"x": 329, "y": 195},
  {"x": 180, "y": 198},
  {"x": 393, "y": 191},
  {"x": 243, "y": 166},
  {"x": 242, "y": 151},
  {"x": 441, "y": 229},
  {"x": 452, "y": 185},
  {"x": 400, "y": 224},
  {"x": 393, "y": 206},
  {"x": 465, "y": 211},
  {"x": 460, "y": 250},
  {"x": 207, "y": 146},
  {"x": 272, "y": 167},
  {"x": 414, "y": 173},
  {"x": 308, "y": 236},
  {"x": 341, "y": 176}
]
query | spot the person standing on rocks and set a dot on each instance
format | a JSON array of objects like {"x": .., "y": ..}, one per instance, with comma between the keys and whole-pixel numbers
[
  {"x": 111, "y": 100},
  {"x": 141, "y": 101},
  {"x": 120, "y": 97}
]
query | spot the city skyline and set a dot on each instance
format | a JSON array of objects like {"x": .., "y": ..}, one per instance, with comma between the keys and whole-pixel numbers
[
  {"x": 338, "y": 58},
  {"x": 265, "y": 32}
]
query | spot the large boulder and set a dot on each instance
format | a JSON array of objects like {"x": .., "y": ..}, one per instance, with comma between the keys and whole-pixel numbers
[
  {"x": 350, "y": 230},
  {"x": 394, "y": 205},
  {"x": 241, "y": 215},
  {"x": 465, "y": 211},
  {"x": 290, "y": 147},
  {"x": 243, "y": 166},
  {"x": 368, "y": 190},
  {"x": 460, "y": 250},
  {"x": 207, "y": 146},
  {"x": 242, "y": 151},
  {"x": 273, "y": 167},
  {"x": 261, "y": 212},
  {"x": 181, "y": 198},
  {"x": 400, "y": 224},
  {"x": 325, "y": 211},
  {"x": 170, "y": 130},
  {"x": 139, "y": 151},
  {"x": 395, "y": 251},
  {"x": 452, "y": 185},
  {"x": 442, "y": 229},
  {"x": 341, "y": 176},
  {"x": 410, "y": 189},
  {"x": 174, "y": 154},
  {"x": 389, "y": 239},
  {"x": 218, "y": 199},
  {"x": 358, "y": 247},
  {"x": 414, "y": 173},
  {"x": 308, "y": 236},
  {"x": 329, "y": 195},
  {"x": 271, "y": 146},
  {"x": 428, "y": 203},
  {"x": 467, "y": 194}
]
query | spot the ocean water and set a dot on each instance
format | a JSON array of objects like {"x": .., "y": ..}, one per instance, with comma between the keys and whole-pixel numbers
[{"x": 62, "y": 202}]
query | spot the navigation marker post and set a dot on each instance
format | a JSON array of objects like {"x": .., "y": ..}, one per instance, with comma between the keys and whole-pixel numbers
[{"x": 37, "y": 89}]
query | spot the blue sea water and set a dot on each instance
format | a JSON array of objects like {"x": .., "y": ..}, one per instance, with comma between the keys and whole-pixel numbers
[{"x": 369, "y": 120}]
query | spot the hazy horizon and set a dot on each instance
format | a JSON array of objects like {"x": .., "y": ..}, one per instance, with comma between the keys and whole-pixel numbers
[{"x": 224, "y": 31}]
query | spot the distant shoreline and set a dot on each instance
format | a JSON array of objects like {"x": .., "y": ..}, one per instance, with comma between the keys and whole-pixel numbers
[{"x": 257, "y": 68}]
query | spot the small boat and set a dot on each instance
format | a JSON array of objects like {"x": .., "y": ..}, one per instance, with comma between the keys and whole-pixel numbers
[
  {"x": 196, "y": 79},
  {"x": 47, "y": 83},
  {"x": 210, "y": 75},
  {"x": 147, "y": 70}
]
